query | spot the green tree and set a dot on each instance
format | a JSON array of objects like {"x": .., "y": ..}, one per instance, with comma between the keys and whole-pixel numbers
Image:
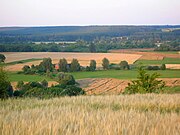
[
  {"x": 124, "y": 65},
  {"x": 46, "y": 64},
  {"x": 92, "y": 65},
  {"x": 6, "y": 89},
  {"x": 105, "y": 63},
  {"x": 145, "y": 83},
  {"x": 63, "y": 65},
  {"x": 2, "y": 58},
  {"x": 75, "y": 66}
]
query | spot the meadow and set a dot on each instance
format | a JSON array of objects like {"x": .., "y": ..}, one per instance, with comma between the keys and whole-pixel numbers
[
  {"x": 148, "y": 114},
  {"x": 159, "y": 62},
  {"x": 118, "y": 74}
]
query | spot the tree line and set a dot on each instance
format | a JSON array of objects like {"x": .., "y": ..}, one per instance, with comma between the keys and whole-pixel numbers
[{"x": 47, "y": 67}]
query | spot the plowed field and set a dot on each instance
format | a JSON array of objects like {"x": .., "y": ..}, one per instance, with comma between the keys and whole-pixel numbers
[{"x": 114, "y": 86}]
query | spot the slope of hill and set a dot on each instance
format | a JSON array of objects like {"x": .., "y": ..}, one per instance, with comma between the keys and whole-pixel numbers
[{"x": 71, "y": 33}]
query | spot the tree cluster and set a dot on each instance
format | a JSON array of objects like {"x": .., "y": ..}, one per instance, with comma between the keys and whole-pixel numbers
[
  {"x": 41, "y": 90},
  {"x": 6, "y": 89}
]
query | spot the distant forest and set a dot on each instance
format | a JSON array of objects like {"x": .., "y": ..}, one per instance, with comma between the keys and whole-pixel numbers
[{"x": 89, "y": 38}]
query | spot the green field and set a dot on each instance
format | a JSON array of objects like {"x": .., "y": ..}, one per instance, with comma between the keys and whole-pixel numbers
[
  {"x": 118, "y": 74},
  {"x": 14, "y": 77},
  {"x": 124, "y": 74},
  {"x": 167, "y": 52},
  {"x": 158, "y": 62}
]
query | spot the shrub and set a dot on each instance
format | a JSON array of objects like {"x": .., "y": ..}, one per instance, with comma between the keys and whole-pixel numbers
[
  {"x": 114, "y": 66},
  {"x": 124, "y": 65},
  {"x": 72, "y": 90},
  {"x": 88, "y": 68},
  {"x": 26, "y": 69},
  {"x": 153, "y": 68},
  {"x": 44, "y": 83},
  {"x": 20, "y": 85},
  {"x": 2, "y": 58},
  {"x": 163, "y": 67},
  {"x": 146, "y": 83},
  {"x": 66, "y": 79},
  {"x": 6, "y": 89}
]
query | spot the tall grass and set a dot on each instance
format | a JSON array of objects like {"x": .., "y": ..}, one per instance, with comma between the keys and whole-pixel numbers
[{"x": 92, "y": 115}]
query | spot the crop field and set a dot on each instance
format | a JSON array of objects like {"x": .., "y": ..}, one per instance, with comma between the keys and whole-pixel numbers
[
  {"x": 124, "y": 74},
  {"x": 173, "y": 66},
  {"x": 147, "y": 114},
  {"x": 148, "y": 54},
  {"x": 118, "y": 74},
  {"x": 171, "y": 63},
  {"x": 83, "y": 58},
  {"x": 159, "y": 62},
  {"x": 101, "y": 82},
  {"x": 111, "y": 86}
]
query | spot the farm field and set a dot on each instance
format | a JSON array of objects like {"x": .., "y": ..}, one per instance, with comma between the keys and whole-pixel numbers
[
  {"x": 111, "y": 86},
  {"x": 118, "y": 74},
  {"x": 171, "y": 63},
  {"x": 107, "y": 86},
  {"x": 121, "y": 114},
  {"x": 148, "y": 54},
  {"x": 124, "y": 74},
  {"x": 159, "y": 62},
  {"x": 83, "y": 58}
]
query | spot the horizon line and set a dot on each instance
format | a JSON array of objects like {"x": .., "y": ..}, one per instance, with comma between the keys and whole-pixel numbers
[{"x": 81, "y": 25}]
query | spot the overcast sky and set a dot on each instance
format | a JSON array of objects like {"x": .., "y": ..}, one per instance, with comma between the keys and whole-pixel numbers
[{"x": 88, "y": 12}]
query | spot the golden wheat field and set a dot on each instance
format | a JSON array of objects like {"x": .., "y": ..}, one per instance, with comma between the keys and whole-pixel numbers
[
  {"x": 83, "y": 58},
  {"x": 148, "y": 114}
]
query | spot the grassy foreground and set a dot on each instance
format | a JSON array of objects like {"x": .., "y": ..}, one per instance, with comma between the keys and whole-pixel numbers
[{"x": 148, "y": 114}]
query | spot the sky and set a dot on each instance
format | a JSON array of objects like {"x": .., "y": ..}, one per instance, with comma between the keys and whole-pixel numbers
[{"x": 88, "y": 12}]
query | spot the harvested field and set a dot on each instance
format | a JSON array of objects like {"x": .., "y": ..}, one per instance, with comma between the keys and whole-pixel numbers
[
  {"x": 114, "y": 86},
  {"x": 84, "y": 58},
  {"x": 146, "y": 55},
  {"x": 173, "y": 66}
]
